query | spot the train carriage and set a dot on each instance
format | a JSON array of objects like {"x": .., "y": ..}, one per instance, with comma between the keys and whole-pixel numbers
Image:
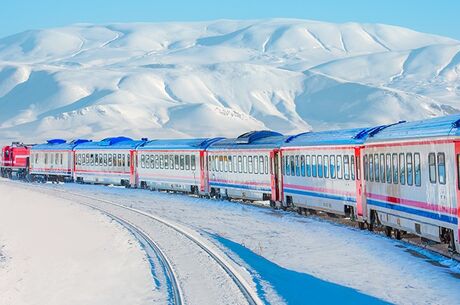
[
  {"x": 322, "y": 171},
  {"x": 412, "y": 179},
  {"x": 110, "y": 161},
  {"x": 53, "y": 160},
  {"x": 246, "y": 167},
  {"x": 15, "y": 160},
  {"x": 175, "y": 165}
]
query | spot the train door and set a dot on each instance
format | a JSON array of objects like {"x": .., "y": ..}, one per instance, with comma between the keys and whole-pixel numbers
[
  {"x": 204, "y": 179},
  {"x": 360, "y": 199},
  {"x": 276, "y": 175},
  {"x": 132, "y": 168},
  {"x": 457, "y": 188}
]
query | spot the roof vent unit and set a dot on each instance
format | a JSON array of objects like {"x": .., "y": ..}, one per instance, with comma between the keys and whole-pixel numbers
[
  {"x": 113, "y": 141},
  {"x": 144, "y": 139},
  {"x": 80, "y": 141},
  {"x": 56, "y": 141},
  {"x": 291, "y": 138},
  {"x": 252, "y": 136}
]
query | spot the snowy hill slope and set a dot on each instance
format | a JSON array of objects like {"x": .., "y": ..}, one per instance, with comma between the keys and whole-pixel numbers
[{"x": 221, "y": 78}]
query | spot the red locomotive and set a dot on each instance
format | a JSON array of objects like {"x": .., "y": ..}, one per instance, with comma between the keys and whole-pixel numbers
[{"x": 15, "y": 160}]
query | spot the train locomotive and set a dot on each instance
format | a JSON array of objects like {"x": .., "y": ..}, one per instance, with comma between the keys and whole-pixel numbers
[{"x": 402, "y": 177}]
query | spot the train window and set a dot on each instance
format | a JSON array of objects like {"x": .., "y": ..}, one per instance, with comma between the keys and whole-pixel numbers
[
  {"x": 339, "y": 167},
  {"x": 230, "y": 164},
  {"x": 240, "y": 164},
  {"x": 147, "y": 161},
  {"x": 92, "y": 159},
  {"x": 418, "y": 174},
  {"x": 110, "y": 160},
  {"x": 96, "y": 162},
  {"x": 56, "y": 159},
  {"x": 366, "y": 168},
  {"x": 308, "y": 166},
  {"x": 171, "y": 162},
  {"x": 313, "y": 166},
  {"x": 46, "y": 158},
  {"x": 410, "y": 176},
  {"x": 245, "y": 164},
  {"x": 105, "y": 160},
  {"x": 371, "y": 168},
  {"x": 235, "y": 163},
  {"x": 166, "y": 158},
  {"x": 210, "y": 163},
  {"x": 187, "y": 163},
  {"x": 176, "y": 162},
  {"x": 292, "y": 165},
  {"x": 358, "y": 168},
  {"x": 265, "y": 164},
  {"x": 120, "y": 163},
  {"x": 101, "y": 159},
  {"x": 441, "y": 168},
  {"x": 352, "y": 167},
  {"x": 382, "y": 168},
  {"x": 302, "y": 165},
  {"x": 320, "y": 166},
  {"x": 182, "y": 162},
  {"x": 216, "y": 163},
  {"x": 286, "y": 166},
  {"x": 51, "y": 159},
  {"x": 432, "y": 167},
  {"x": 128, "y": 160},
  {"x": 156, "y": 161},
  {"x": 297, "y": 166},
  {"x": 162, "y": 162},
  {"x": 192, "y": 162},
  {"x": 377, "y": 168},
  {"x": 332, "y": 166},
  {"x": 260, "y": 165},
  {"x": 346, "y": 167},
  {"x": 87, "y": 159},
  {"x": 250, "y": 164},
  {"x": 78, "y": 159},
  {"x": 388, "y": 168},
  {"x": 123, "y": 159},
  {"x": 402, "y": 169},
  {"x": 326, "y": 166},
  {"x": 395, "y": 168}
]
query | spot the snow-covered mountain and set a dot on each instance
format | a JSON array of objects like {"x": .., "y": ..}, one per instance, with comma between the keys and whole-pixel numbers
[{"x": 221, "y": 78}]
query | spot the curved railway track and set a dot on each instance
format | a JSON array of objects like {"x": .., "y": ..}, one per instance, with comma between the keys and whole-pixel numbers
[
  {"x": 245, "y": 288},
  {"x": 174, "y": 292}
]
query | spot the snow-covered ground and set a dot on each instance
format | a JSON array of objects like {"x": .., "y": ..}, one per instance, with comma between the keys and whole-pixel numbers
[
  {"x": 300, "y": 259},
  {"x": 221, "y": 77},
  {"x": 53, "y": 251}
]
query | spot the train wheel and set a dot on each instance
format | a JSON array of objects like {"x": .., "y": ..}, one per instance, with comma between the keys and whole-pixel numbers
[
  {"x": 388, "y": 231},
  {"x": 361, "y": 225},
  {"x": 397, "y": 234}
]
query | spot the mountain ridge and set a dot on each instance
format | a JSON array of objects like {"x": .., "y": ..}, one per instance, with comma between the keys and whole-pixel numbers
[{"x": 221, "y": 77}]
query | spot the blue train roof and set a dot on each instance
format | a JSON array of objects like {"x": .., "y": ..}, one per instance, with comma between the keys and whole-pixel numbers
[
  {"x": 436, "y": 127},
  {"x": 253, "y": 139},
  {"x": 59, "y": 144},
  {"x": 334, "y": 137},
  {"x": 112, "y": 143},
  {"x": 201, "y": 143}
]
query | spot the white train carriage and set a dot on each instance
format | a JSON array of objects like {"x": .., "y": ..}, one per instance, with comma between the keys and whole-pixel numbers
[
  {"x": 110, "y": 161},
  {"x": 53, "y": 160},
  {"x": 175, "y": 165},
  {"x": 245, "y": 167},
  {"x": 322, "y": 171},
  {"x": 412, "y": 179}
]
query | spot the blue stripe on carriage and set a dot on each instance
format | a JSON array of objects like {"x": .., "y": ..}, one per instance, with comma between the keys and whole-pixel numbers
[
  {"x": 240, "y": 186},
  {"x": 319, "y": 195},
  {"x": 404, "y": 209}
]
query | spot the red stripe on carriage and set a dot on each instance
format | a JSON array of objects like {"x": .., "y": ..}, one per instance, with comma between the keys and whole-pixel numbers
[{"x": 414, "y": 203}]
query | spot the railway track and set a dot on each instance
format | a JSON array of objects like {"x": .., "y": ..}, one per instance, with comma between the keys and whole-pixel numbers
[
  {"x": 245, "y": 288},
  {"x": 175, "y": 295}
]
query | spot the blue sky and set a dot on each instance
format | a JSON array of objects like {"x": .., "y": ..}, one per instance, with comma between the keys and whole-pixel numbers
[{"x": 432, "y": 16}]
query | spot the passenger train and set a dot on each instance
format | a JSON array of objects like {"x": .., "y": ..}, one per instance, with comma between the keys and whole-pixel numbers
[{"x": 403, "y": 177}]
